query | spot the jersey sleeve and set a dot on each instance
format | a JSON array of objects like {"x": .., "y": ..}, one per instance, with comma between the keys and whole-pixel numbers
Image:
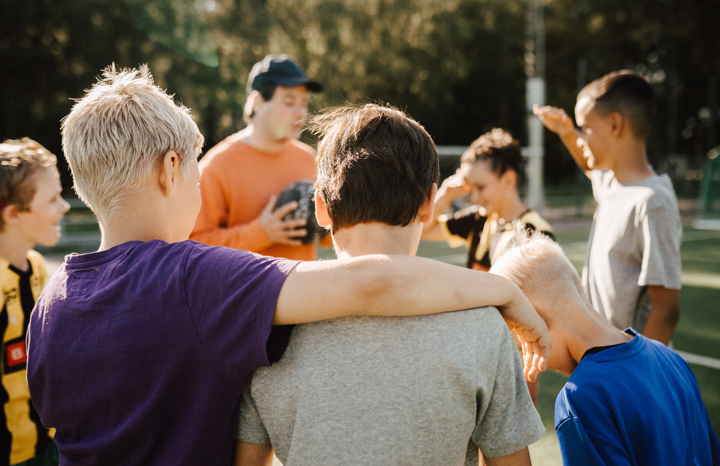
[
  {"x": 579, "y": 446},
  {"x": 507, "y": 420},
  {"x": 250, "y": 426},
  {"x": 661, "y": 237},
  {"x": 458, "y": 227},
  {"x": 211, "y": 226},
  {"x": 231, "y": 298}
]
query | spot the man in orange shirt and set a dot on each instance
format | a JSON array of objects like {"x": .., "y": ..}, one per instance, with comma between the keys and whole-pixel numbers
[{"x": 241, "y": 177}]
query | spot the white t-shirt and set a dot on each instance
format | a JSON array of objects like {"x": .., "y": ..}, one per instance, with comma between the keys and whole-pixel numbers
[{"x": 634, "y": 243}]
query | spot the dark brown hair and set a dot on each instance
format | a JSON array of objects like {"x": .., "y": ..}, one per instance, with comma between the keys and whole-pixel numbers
[
  {"x": 627, "y": 93},
  {"x": 499, "y": 148},
  {"x": 20, "y": 159},
  {"x": 374, "y": 164}
]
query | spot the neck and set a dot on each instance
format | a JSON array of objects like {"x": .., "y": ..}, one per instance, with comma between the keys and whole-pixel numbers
[
  {"x": 512, "y": 208},
  {"x": 377, "y": 238},
  {"x": 589, "y": 331},
  {"x": 153, "y": 221},
  {"x": 633, "y": 165},
  {"x": 14, "y": 248},
  {"x": 254, "y": 137}
]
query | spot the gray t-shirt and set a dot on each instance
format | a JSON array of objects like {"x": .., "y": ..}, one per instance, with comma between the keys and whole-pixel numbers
[
  {"x": 383, "y": 390},
  {"x": 634, "y": 242}
]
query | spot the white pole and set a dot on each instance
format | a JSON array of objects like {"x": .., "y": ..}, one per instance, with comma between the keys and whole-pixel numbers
[{"x": 535, "y": 94}]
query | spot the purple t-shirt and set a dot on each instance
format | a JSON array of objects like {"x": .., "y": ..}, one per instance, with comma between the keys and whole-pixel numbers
[{"x": 138, "y": 354}]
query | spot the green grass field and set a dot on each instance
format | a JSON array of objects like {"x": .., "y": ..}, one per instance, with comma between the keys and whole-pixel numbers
[{"x": 698, "y": 331}]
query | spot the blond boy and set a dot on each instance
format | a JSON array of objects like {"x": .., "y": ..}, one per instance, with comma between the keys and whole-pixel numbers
[
  {"x": 138, "y": 352},
  {"x": 31, "y": 207},
  {"x": 629, "y": 399}
]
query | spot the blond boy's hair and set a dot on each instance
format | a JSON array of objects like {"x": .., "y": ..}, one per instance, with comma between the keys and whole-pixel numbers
[
  {"x": 114, "y": 135},
  {"x": 538, "y": 266},
  {"x": 19, "y": 160}
]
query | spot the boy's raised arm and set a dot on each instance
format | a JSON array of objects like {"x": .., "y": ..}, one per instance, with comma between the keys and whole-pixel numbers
[{"x": 395, "y": 285}]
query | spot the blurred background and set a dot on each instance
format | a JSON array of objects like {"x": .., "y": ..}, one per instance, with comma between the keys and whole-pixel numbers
[{"x": 459, "y": 67}]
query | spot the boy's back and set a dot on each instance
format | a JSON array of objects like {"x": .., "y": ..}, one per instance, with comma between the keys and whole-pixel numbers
[
  {"x": 422, "y": 390},
  {"x": 168, "y": 350},
  {"x": 388, "y": 391},
  {"x": 636, "y": 403}
]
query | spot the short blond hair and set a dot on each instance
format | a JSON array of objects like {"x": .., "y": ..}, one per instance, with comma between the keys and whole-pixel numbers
[
  {"x": 114, "y": 135},
  {"x": 539, "y": 267}
]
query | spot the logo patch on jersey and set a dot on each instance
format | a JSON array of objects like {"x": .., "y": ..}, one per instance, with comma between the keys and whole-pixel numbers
[{"x": 15, "y": 355}]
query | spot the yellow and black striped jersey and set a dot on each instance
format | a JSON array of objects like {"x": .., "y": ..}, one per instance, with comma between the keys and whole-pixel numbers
[{"x": 21, "y": 432}]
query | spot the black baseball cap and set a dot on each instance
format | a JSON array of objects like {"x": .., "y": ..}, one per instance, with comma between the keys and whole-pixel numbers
[{"x": 280, "y": 70}]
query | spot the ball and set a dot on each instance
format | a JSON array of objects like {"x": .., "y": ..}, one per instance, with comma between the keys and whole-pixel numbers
[{"x": 303, "y": 192}]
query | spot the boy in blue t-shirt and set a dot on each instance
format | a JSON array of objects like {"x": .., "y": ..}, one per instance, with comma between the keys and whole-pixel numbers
[
  {"x": 31, "y": 207},
  {"x": 629, "y": 399},
  {"x": 138, "y": 353}
]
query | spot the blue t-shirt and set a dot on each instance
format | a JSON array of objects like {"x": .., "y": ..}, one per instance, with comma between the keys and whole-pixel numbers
[
  {"x": 138, "y": 354},
  {"x": 634, "y": 404}
]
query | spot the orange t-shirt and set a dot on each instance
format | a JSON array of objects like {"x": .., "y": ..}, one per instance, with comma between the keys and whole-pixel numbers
[{"x": 236, "y": 183}]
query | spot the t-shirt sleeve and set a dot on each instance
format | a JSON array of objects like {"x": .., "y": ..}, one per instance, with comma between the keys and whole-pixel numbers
[
  {"x": 250, "y": 426},
  {"x": 577, "y": 448},
  {"x": 507, "y": 420},
  {"x": 458, "y": 227},
  {"x": 661, "y": 236},
  {"x": 231, "y": 298},
  {"x": 580, "y": 446}
]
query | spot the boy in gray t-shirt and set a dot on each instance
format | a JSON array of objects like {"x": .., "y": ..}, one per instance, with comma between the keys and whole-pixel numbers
[
  {"x": 438, "y": 390},
  {"x": 632, "y": 267}
]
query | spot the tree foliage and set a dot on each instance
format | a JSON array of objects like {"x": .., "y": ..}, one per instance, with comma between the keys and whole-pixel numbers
[{"x": 457, "y": 66}]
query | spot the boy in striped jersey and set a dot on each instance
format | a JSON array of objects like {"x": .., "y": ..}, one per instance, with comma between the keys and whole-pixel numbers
[{"x": 31, "y": 208}]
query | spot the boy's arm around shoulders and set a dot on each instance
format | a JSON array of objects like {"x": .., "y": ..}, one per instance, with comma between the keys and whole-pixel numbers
[{"x": 396, "y": 285}]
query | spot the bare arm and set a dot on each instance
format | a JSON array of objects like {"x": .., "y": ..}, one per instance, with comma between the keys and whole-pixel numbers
[
  {"x": 251, "y": 454},
  {"x": 452, "y": 188},
  {"x": 556, "y": 120},
  {"x": 664, "y": 313},
  {"x": 399, "y": 285},
  {"x": 519, "y": 458}
]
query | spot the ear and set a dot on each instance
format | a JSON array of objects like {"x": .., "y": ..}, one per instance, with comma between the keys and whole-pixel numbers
[
  {"x": 321, "y": 212},
  {"x": 618, "y": 124},
  {"x": 509, "y": 179},
  {"x": 169, "y": 172},
  {"x": 425, "y": 213},
  {"x": 10, "y": 214}
]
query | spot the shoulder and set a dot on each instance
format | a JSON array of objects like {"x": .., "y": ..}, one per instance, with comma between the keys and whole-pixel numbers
[
  {"x": 299, "y": 146},
  {"x": 36, "y": 260},
  {"x": 221, "y": 153},
  {"x": 661, "y": 195},
  {"x": 534, "y": 221},
  {"x": 219, "y": 264}
]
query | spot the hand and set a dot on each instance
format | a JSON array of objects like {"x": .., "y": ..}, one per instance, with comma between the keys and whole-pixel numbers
[
  {"x": 555, "y": 119},
  {"x": 454, "y": 186},
  {"x": 279, "y": 230},
  {"x": 532, "y": 333}
]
